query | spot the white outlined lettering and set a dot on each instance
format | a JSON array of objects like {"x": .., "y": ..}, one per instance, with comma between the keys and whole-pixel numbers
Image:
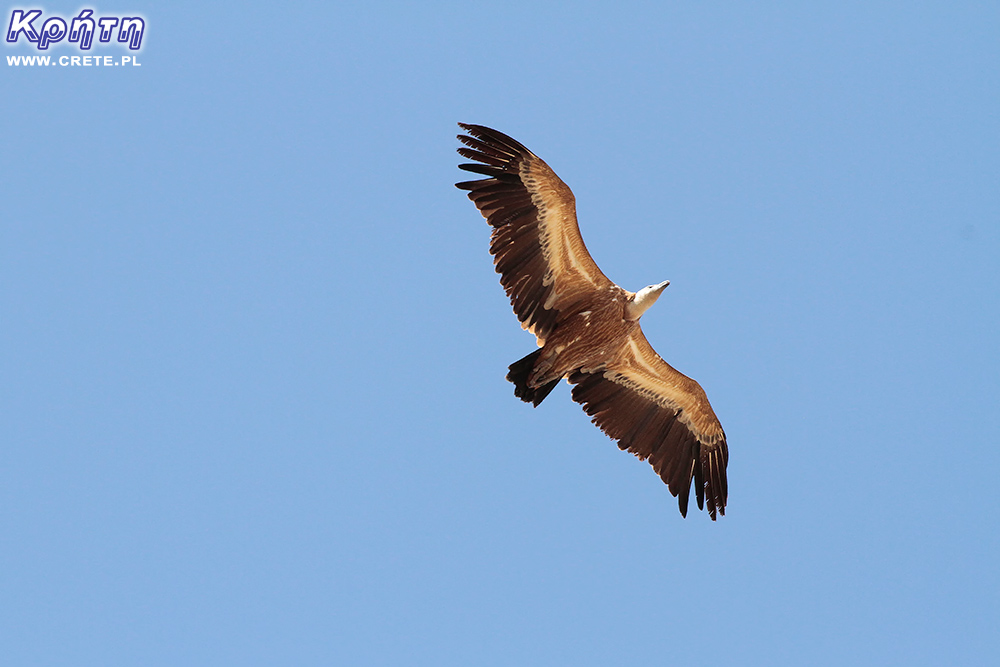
[
  {"x": 53, "y": 31},
  {"x": 81, "y": 30},
  {"x": 21, "y": 22},
  {"x": 131, "y": 31},
  {"x": 107, "y": 24}
]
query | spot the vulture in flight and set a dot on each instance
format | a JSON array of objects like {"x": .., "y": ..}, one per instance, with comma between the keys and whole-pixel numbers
[{"x": 587, "y": 327}]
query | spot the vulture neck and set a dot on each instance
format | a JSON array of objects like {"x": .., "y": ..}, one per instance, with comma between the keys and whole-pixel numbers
[{"x": 643, "y": 299}]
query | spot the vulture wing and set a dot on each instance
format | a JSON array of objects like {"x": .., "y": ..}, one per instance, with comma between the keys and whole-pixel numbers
[
  {"x": 662, "y": 416},
  {"x": 543, "y": 263}
]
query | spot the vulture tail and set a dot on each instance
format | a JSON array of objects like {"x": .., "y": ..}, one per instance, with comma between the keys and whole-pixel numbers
[{"x": 519, "y": 373}]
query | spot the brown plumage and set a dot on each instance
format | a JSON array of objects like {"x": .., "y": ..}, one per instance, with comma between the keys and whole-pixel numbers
[{"x": 587, "y": 327}]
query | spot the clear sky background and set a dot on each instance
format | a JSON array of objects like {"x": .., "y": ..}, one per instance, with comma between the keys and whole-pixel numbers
[{"x": 252, "y": 346}]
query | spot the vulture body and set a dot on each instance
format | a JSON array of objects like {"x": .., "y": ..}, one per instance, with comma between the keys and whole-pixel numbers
[{"x": 587, "y": 327}]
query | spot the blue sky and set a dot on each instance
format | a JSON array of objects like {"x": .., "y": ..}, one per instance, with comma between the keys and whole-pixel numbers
[{"x": 253, "y": 348}]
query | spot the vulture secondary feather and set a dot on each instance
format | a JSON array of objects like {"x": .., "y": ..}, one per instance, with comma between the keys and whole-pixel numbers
[{"x": 587, "y": 327}]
